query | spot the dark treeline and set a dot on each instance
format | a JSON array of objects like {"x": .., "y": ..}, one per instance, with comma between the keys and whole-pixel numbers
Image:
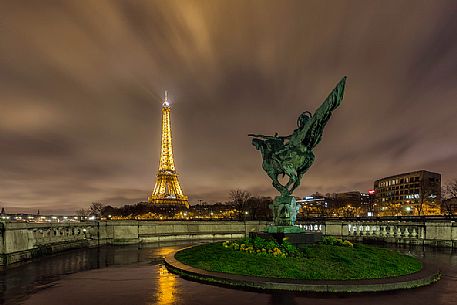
[{"x": 242, "y": 208}]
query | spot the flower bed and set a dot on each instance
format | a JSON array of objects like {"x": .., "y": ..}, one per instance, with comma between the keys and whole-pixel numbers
[
  {"x": 261, "y": 246},
  {"x": 333, "y": 259}
]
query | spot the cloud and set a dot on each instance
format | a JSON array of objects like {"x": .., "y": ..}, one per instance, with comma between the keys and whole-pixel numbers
[{"x": 80, "y": 90}]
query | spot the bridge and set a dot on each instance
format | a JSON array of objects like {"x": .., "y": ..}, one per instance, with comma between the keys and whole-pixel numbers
[
  {"x": 23, "y": 241},
  {"x": 426, "y": 231},
  {"x": 20, "y": 241}
]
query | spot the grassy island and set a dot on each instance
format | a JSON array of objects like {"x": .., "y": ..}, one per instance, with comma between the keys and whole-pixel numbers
[{"x": 332, "y": 259}]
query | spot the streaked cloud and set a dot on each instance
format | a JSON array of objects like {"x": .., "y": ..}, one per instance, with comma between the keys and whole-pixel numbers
[{"x": 81, "y": 81}]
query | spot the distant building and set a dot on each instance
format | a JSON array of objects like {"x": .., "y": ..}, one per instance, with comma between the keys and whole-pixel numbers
[
  {"x": 359, "y": 203},
  {"x": 314, "y": 205},
  {"x": 313, "y": 200},
  {"x": 409, "y": 190},
  {"x": 353, "y": 198}
]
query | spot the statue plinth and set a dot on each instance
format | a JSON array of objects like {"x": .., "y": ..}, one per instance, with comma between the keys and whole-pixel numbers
[
  {"x": 285, "y": 210},
  {"x": 294, "y": 235},
  {"x": 283, "y": 229}
]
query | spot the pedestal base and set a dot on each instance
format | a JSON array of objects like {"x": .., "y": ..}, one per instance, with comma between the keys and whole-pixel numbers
[
  {"x": 294, "y": 235},
  {"x": 285, "y": 210},
  {"x": 283, "y": 229}
]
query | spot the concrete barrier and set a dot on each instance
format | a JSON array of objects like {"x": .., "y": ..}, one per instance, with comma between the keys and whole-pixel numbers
[
  {"x": 438, "y": 233},
  {"x": 23, "y": 241}
]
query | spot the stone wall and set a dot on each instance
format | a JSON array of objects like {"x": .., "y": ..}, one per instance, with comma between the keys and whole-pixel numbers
[
  {"x": 23, "y": 241},
  {"x": 439, "y": 233}
]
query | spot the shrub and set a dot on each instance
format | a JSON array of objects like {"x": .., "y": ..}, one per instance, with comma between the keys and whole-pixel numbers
[
  {"x": 290, "y": 249},
  {"x": 260, "y": 246},
  {"x": 347, "y": 243},
  {"x": 333, "y": 241},
  {"x": 329, "y": 240}
]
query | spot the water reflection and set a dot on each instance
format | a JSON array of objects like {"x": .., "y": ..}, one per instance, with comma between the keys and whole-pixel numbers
[
  {"x": 132, "y": 275},
  {"x": 19, "y": 282},
  {"x": 166, "y": 287}
]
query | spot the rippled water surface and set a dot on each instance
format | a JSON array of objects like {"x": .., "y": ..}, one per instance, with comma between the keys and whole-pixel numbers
[{"x": 133, "y": 276}]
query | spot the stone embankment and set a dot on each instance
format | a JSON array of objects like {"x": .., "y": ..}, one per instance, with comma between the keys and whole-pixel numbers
[
  {"x": 435, "y": 233},
  {"x": 23, "y": 241}
]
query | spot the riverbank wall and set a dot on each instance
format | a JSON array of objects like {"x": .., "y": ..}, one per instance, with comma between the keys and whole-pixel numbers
[
  {"x": 23, "y": 241},
  {"x": 429, "y": 232}
]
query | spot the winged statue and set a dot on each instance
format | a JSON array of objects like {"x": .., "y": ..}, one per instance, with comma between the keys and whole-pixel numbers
[{"x": 292, "y": 155}]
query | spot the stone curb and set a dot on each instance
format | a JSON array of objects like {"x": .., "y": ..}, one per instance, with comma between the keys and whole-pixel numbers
[{"x": 426, "y": 276}]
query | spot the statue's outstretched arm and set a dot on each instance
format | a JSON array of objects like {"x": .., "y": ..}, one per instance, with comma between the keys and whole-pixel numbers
[
  {"x": 267, "y": 137},
  {"x": 256, "y": 135},
  {"x": 310, "y": 134}
]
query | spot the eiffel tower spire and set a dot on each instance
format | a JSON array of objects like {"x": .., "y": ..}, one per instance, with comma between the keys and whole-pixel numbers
[{"x": 167, "y": 189}]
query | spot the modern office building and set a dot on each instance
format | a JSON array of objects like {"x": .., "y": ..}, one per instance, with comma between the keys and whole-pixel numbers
[
  {"x": 353, "y": 198},
  {"x": 314, "y": 205},
  {"x": 409, "y": 189},
  {"x": 315, "y": 200}
]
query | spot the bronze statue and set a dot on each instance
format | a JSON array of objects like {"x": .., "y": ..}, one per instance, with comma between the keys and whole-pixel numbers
[{"x": 292, "y": 155}]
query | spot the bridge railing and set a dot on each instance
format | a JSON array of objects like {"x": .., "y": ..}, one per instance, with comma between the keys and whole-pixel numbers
[{"x": 429, "y": 232}]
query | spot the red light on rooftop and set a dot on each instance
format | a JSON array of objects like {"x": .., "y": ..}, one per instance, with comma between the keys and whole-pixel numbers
[{"x": 371, "y": 192}]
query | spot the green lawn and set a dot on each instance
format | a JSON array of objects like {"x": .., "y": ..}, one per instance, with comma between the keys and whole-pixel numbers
[{"x": 318, "y": 262}]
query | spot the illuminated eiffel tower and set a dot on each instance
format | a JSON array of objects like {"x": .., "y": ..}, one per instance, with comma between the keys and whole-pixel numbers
[{"x": 167, "y": 190}]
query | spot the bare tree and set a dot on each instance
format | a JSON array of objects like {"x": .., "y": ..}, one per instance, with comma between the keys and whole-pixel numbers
[
  {"x": 96, "y": 209},
  {"x": 82, "y": 212},
  {"x": 450, "y": 189},
  {"x": 239, "y": 199},
  {"x": 420, "y": 204},
  {"x": 258, "y": 208},
  {"x": 449, "y": 196}
]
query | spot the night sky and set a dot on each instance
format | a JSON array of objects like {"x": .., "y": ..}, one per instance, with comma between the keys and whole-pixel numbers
[{"x": 81, "y": 85}]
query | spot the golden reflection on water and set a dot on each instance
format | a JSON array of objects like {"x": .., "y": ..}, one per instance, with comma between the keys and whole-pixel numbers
[
  {"x": 167, "y": 286},
  {"x": 164, "y": 251}
]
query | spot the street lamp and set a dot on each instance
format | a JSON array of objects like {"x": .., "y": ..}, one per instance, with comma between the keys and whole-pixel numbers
[{"x": 246, "y": 213}]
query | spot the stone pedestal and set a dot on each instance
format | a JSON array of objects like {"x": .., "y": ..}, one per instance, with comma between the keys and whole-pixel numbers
[
  {"x": 298, "y": 238},
  {"x": 285, "y": 210},
  {"x": 283, "y": 229}
]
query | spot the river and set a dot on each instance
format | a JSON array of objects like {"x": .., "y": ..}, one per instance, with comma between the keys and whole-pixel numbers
[{"x": 130, "y": 275}]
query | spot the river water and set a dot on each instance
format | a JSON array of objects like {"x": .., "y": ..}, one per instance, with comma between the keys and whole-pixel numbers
[{"x": 135, "y": 276}]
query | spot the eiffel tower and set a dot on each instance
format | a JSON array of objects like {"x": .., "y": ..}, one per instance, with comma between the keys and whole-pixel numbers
[{"x": 167, "y": 190}]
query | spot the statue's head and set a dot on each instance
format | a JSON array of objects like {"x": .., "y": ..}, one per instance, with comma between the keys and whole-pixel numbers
[{"x": 303, "y": 118}]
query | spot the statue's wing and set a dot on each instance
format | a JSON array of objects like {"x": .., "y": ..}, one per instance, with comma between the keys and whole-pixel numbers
[{"x": 310, "y": 135}]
